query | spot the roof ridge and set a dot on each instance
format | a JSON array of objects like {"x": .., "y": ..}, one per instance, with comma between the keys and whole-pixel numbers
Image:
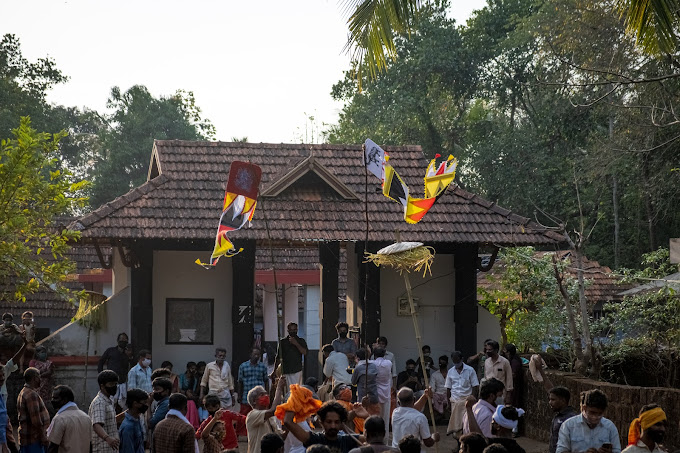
[
  {"x": 119, "y": 202},
  {"x": 309, "y": 146},
  {"x": 507, "y": 213}
]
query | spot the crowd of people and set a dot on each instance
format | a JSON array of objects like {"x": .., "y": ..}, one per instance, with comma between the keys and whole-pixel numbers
[{"x": 360, "y": 401}]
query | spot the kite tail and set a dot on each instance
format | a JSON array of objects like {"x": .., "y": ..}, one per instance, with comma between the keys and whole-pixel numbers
[{"x": 214, "y": 261}]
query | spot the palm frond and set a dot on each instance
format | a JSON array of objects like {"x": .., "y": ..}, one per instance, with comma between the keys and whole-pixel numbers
[
  {"x": 373, "y": 26},
  {"x": 653, "y": 22}
]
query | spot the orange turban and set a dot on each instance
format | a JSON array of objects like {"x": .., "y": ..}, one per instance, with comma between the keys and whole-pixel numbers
[
  {"x": 301, "y": 402},
  {"x": 646, "y": 419}
]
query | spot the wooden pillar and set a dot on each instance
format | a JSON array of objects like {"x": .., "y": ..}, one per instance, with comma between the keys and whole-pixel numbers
[
  {"x": 141, "y": 302},
  {"x": 370, "y": 313},
  {"x": 243, "y": 301},
  {"x": 329, "y": 258},
  {"x": 465, "y": 309}
]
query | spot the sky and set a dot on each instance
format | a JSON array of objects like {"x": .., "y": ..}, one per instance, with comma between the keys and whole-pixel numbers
[{"x": 258, "y": 69}]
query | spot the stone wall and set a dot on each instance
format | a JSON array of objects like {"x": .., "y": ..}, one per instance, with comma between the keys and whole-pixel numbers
[
  {"x": 624, "y": 405},
  {"x": 71, "y": 375}
]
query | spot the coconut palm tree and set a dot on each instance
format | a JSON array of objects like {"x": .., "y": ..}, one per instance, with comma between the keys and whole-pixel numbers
[
  {"x": 654, "y": 23},
  {"x": 373, "y": 26}
]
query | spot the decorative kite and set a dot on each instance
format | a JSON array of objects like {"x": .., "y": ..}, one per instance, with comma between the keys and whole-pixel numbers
[
  {"x": 238, "y": 208},
  {"x": 437, "y": 180}
]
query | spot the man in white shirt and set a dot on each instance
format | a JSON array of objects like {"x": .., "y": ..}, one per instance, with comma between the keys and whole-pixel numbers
[
  {"x": 440, "y": 399},
  {"x": 217, "y": 380},
  {"x": 384, "y": 384},
  {"x": 381, "y": 342},
  {"x": 336, "y": 365},
  {"x": 409, "y": 419},
  {"x": 461, "y": 382}
]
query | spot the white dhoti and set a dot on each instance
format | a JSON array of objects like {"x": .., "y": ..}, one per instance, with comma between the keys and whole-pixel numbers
[{"x": 457, "y": 413}]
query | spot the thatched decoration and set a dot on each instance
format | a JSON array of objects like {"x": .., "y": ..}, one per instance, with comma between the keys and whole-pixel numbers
[{"x": 404, "y": 256}]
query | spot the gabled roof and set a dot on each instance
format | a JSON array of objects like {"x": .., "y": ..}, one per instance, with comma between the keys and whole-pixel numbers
[
  {"x": 184, "y": 201},
  {"x": 310, "y": 164}
]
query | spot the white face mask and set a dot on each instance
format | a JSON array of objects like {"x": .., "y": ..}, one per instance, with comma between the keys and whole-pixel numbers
[{"x": 146, "y": 362}]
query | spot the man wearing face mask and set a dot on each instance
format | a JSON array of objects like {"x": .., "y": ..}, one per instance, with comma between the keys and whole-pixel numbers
[
  {"x": 116, "y": 359},
  {"x": 290, "y": 353},
  {"x": 440, "y": 400},
  {"x": 162, "y": 388},
  {"x": 343, "y": 343},
  {"x": 103, "y": 414},
  {"x": 497, "y": 366},
  {"x": 589, "y": 431},
  {"x": 130, "y": 431},
  {"x": 429, "y": 363},
  {"x": 258, "y": 421},
  {"x": 647, "y": 431},
  {"x": 71, "y": 428},
  {"x": 482, "y": 411},
  {"x": 139, "y": 376},
  {"x": 461, "y": 382},
  {"x": 409, "y": 377}
]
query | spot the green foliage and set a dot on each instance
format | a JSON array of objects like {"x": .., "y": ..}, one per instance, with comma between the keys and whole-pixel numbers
[
  {"x": 125, "y": 142},
  {"x": 34, "y": 190},
  {"x": 535, "y": 99},
  {"x": 526, "y": 300},
  {"x": 111, "y": 150},
  {"x": 373, "y": 27},
  {"x": 645, "y": 327}
]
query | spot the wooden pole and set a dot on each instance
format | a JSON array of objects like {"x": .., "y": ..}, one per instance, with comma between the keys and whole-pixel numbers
[{"x": 414, "y": 316}]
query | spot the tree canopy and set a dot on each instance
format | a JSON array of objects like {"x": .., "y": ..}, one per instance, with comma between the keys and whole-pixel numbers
[{"x": 34, "y": 192}]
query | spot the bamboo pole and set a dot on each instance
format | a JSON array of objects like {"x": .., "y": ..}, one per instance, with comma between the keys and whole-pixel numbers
[{"x": 414, "y": 316}]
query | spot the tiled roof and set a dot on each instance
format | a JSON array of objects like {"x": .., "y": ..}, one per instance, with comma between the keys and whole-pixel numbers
[
  {"x": 45, "y": 303},
  {"x": 184, "y": 201},
  {"x": 602, "y": 284}
]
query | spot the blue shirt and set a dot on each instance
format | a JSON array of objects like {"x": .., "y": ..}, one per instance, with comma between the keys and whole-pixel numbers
[
  {"x": 577, "y": 436},
  {"x": 3, "y": 420},
  {"x": 131, "y": 437},
  {"x": 251, "y": 376},
  {"x": 161, "y": 412},
  {"x": 139, "y": 378}
]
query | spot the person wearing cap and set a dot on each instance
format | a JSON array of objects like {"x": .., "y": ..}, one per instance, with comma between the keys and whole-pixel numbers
[{"x": 647, "y": 431}]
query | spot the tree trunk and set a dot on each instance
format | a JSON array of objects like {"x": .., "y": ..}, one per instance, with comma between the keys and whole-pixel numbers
[
  {"x": 615, "y": 201},
  {"x": 583, "y": 303},
  {"x": 617, "y": 224},
  {"x": 575, "y": 335}
]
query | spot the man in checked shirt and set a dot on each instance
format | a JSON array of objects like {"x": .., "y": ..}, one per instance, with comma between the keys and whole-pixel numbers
[{"x": 33, "y": 416}]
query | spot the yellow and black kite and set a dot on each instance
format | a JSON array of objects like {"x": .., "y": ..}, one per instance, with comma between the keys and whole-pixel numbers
[
  {"x": 238, "y": 208},
  {"x": 437, "y": 180}
]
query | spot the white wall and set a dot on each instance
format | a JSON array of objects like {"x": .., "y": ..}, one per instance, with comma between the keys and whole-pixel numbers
[
  {"x": 175, "y": 275},
  {"x": 312, "y": 319},
  {"x": 435, "y": 311},
  {"x": 487, "y": 327}
]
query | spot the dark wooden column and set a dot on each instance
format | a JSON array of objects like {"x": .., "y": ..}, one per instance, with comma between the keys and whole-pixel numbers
[
  {"x": 141, "y": 302},
  {"x": 243, "y": 301},
  {"x": 371, "y": 312},
  {"x": 465, "y": 308},
  {"x": 329, "y": 308}
]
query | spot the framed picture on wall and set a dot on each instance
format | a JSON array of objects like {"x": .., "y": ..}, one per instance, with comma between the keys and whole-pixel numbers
[
  {"x": 189, "y": 321},
  {"x": 404, "y": 308}
]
